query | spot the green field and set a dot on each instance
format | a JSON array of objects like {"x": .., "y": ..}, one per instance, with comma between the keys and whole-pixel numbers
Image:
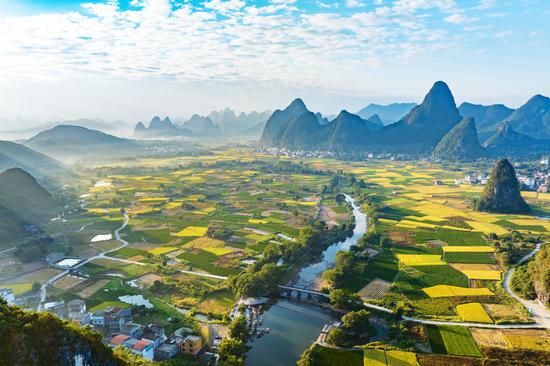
[{"x": 453, "y": 340}]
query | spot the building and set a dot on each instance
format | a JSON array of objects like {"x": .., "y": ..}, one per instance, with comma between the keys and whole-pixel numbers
[
  {"x": 191, "y": 345},
  {"x": 76, "y": 312},
  {"x": 57, "y": 308},
  {"x": 76, "y": 306},
  {"x": 141, "y": 347},
  {"x": 170, "y": 348},
  {"x": 132, "y": 329},
  {"x": 154, "y": 333},
  {"x": 111, "y": 319},
  {"x": 8, "y": 295}
]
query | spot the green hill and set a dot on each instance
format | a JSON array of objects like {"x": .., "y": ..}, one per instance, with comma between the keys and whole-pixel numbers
[
  {"x": 69, "y": 142},
  {"x": 44, "y": 168},
  {"x": 41, "y": 339},
  {"x": 501, "y": 193},
  {"x": 460, "y": 143},
  {"x": 507, "y": 142},
  {"x": 22, "y": 201}
]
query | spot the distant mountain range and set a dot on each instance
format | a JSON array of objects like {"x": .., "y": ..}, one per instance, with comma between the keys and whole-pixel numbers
[
  {"x": 160, "y": 129},
  {"x": 433, "y": 127},
  {"x": 217, "y": 124},
  {"x": 22, "y": 202},
  {"x": 388, "y": 114},
  {"x": 244, "y": 124}
]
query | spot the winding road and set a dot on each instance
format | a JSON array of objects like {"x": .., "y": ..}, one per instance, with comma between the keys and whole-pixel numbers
[
  {"x": 538, "y": 311},
  {"x": 43, "y": 288}
]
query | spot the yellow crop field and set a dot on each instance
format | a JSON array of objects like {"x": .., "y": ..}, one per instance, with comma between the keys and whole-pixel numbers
[
  {"x": 468, "y": 249},
  {"x": 162, "y": 250},
  {"x": 172, "y": 205},
  {"x": 450, "y": 291},
  {"x": 426, "y": 218},
  {"x": 415, "y": 224},
  {"x": 218, "y": 251},
  {"x": 540, "y": 196},
  {"x": 401, "y": 358},
  {"x": 258, "y": 221},
  {"x": 482, "y": 275},
  {"x": 388, "y": 221},
  {"x": 487, "y": 228},
  {"x": 420, "y": 259},
  {"x": 473, "y": 312},
  {"x": 531, "y": 222},
  {"x": 194, "y": 179},
  {"x": 484, "y": 216},
  {"x": 192, "y": 231},
  {"x": 302, "y": 203},
  {"x": 374, "y": 357},
  {"x": 205, "y": 211},
  {"x": 528, "y": 339}
]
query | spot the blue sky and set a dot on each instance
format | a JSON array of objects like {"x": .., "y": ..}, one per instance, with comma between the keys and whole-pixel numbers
[{"x": 132, "y": 59}]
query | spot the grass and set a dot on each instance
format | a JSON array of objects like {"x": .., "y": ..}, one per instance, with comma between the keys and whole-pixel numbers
[
  {"x": 436, "y": 339},
  {"x": 218, "y": 302},
  {"x": 450, "y": 237},
  {"x": 427, "y": 276},
  {"x": 459, "y": 341},
  {"x": 383, "y": 266},
  {"x": 473, "y": 312},
  {"x": 127, "y": 252},
  {"x": 330, "y": 357},
  {"x": 204, "y": 260},
  {"x": 483, "y": 258},
  {"x": 453, "y": 291}
]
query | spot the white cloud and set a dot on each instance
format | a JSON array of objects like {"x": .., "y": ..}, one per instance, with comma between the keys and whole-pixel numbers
[
  {"x": 223, "y": 40},
  {"x": 354, "y": 3},
  {"x": 456, "y": 18}
]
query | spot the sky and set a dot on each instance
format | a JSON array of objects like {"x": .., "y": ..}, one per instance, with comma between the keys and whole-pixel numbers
[{"x": 132, "y": 59}]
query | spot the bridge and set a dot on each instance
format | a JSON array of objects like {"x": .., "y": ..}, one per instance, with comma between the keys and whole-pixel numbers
[{"x": 302, "y": 290}]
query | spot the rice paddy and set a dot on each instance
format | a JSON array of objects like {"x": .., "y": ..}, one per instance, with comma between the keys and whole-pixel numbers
[
  {"x": 420, "y": 259},
  {"x": 455, "y": 291},
  {"x": 473, "y": 312}
]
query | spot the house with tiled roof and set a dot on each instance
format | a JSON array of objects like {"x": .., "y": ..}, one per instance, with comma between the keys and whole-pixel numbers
[{"x": 141, "y": 347}]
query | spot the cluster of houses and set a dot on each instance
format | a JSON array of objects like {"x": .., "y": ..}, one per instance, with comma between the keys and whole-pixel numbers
[
  {"x": 117, "y": 326},
  {"x": 8, "y": 295},
  {"x": 537, "y": 181}
]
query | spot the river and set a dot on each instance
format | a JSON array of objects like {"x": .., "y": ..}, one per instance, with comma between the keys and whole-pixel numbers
[
  {"x": 309, "y": 277},
  {"x": 295, "y": 326}
]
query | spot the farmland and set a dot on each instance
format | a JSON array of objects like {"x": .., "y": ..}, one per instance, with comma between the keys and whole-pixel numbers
[{"x": 427, "y": 252}]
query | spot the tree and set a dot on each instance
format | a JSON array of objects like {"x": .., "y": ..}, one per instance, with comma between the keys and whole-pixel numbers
[
  {"x": 357, "y": 322},
  {"x": 36, "y": 286},
  {"x": 337, "y": 337},
  {"x": 231, "y": 348},
  {"x": 238, "y": 328},
  {"x": 343, "y": 299}
]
